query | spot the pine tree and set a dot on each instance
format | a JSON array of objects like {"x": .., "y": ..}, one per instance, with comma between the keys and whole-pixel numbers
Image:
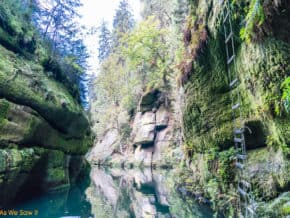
[
  {"x": 123, "y": 21},
  {"x": 57, "y": 22},
  {"x": 160, "y": 9},
  {"x": 104, "y": 42}
]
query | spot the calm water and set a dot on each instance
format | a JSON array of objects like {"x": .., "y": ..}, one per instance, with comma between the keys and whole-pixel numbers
[{"x": 118, "y": 193}]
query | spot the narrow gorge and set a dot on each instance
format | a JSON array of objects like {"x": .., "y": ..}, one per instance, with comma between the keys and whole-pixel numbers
[{"x": 187, "y": 114}]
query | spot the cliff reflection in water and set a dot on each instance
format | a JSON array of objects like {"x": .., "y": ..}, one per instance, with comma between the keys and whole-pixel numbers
[{"x": 139, "y": 193}]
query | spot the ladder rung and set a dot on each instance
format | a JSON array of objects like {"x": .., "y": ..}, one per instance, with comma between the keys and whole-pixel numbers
[
  {"x": 236, "y": 106},
  {"x": 238, "y": 140},
  {"x": 245, "y": 183},
  {"x": 239, "y": 165},
  {"x": 241, "y": 156},
  {"x": 231, "y": 59},
  {"x": 232, "y": 83},
  {"x": 242, "y": 192},
  {"x": 239, "y": 131},
  {"x": 227, "y": 15},
  {"x": 229, "y": 37}
]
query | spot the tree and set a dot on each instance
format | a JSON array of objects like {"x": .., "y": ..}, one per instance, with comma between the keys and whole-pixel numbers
[
  {"x": 160, "y": 9},
  {"x": 56, "y": 21},
  {"x": 104, "y": 42},
  {"x": 146, "y": 52},
  {"x": 123, "y": 21}
]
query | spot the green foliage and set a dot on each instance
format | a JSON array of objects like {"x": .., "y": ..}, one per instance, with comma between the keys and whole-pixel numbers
[
  {"x": 139, "y": 62},
  {"x": 105, "y": 38},
  {"x": 11, "y": 14},
  {"x": 123, "y": 22},
  {"x": 255, "y": 17},
  {"x": 285, "y": 86},
  {"x": 146, "y": 50},
  {"x": 125, "y": 131},
  {"x": 225, "y": 170},
  {"x": 15, "y": 20}
]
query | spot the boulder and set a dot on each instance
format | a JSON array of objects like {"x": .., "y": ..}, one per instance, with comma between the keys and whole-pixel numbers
[
  {"x": 35, "y": 169},
  {"x": 136, "y": 123},
  {"x": 144, "y": 128},
  {"x": 145, "y": 134},
  {"x": 15, "y": 167}
]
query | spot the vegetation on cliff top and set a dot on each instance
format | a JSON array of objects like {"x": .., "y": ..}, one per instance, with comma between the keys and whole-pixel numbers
[
  {"x": 40, "y": 69},
  {"x": 48, "y": 34},
  {"x": 133, "y": 61}
]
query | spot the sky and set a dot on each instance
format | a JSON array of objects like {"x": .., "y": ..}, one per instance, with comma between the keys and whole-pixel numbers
[{"x": 93, "y": 12}]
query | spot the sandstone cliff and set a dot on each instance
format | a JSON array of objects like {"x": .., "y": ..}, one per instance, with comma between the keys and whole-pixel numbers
[{"x": 43, "y": 128}]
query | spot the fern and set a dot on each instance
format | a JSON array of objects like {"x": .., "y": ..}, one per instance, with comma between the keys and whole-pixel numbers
[
  {"x": 285, "y": 86},
  {"x": 255, "y": 17}
]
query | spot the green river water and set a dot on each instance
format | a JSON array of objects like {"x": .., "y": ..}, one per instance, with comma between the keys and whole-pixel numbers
[{"x": 115, "y": 193}]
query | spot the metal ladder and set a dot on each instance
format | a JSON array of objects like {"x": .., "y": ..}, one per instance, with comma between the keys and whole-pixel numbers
[{"x": 246, "y": 205}]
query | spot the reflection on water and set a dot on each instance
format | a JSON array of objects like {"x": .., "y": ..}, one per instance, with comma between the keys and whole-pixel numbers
[
  {"x": 66, "y": 203},
  {"x": 139, "y": 193},
  {"x": 117, "y": 193}
]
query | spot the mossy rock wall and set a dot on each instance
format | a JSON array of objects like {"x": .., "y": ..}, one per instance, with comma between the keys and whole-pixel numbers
[
  {"x": 262, "y": 66},
  {"x": 24, "y": 82},
  {"x": 40, "y": 125},
  {"x": 22, "y": 126}
]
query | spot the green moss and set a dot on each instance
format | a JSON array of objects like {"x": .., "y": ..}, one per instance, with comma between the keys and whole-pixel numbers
[
  {"x": 25, "y": 83},
  {"x": 255, "y": 17},
  {"x": 286, "y": 209},
  {"x": 15, "y": 21},
  {"x": 28, "y": 128},
  {"x": 15, "y": 159},
  {"x": 277, "y": 208},
  {"x": 4, "y": 109},
  {"x": 55, "y": 175},
  {"x": 263, "y": 67},
  {"x": 268, "y": 170},
  {"x": 207, "y": 115},
  {"x": 286, "y": 94}
]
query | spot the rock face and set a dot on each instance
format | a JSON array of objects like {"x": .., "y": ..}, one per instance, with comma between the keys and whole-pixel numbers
[
  {"x": 261, "y": 66},
  {"x": 41, "y": 126},
  {"x": 150, "y": 141},
  {"x": 144, "y": 128},
  {"x": 162, "y": 118},
  {"x": 104, "y": 148}
]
